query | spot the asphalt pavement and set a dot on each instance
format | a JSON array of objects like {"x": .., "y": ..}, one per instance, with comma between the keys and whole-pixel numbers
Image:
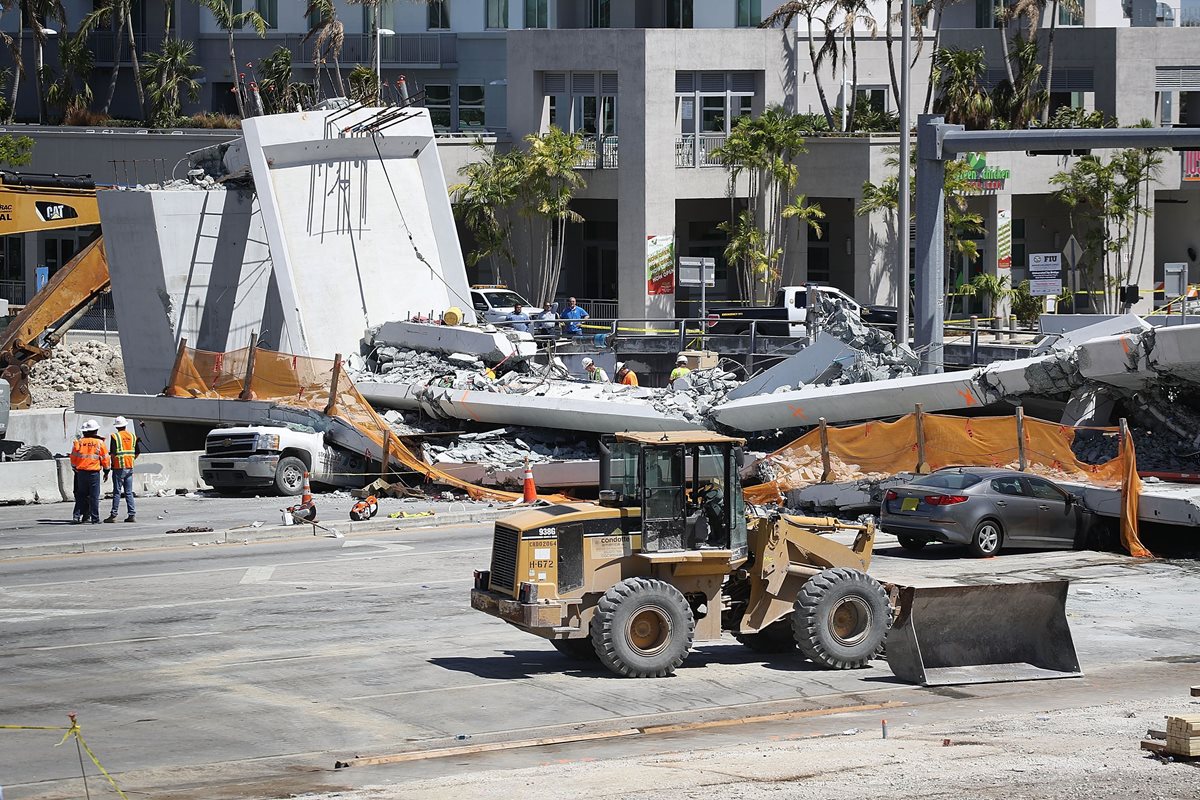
[{"x": 247, "y": 670}]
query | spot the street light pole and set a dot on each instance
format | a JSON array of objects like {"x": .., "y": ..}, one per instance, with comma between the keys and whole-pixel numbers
[{"x": 900, "y": 275}]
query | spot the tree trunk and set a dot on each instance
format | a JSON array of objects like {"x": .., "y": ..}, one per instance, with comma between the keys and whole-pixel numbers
[
  {"x": 1003, "y": 28},
  {"x": 852, "y": 100},
  {"x": 937, "y": 43},
  {"x": 812, "y": 57},
  {"x": 1050, "y": 62},
  {"x": 891, "y": 56},
  {"x": 17, "y": 71},
  {"x": 37, "y": 79},
  {"x": 237, "y": 83},
  {"x": 133, "y": 62},
  {"x": 116, "y": 69},
  {"x": 337, "y": 73}
]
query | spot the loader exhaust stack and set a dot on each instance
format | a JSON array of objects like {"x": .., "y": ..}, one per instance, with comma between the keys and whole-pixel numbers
[{"x": 982, "y": 634}]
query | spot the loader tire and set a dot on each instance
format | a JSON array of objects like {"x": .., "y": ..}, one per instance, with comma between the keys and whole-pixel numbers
[
  {"x": 575, "y": 649},
  {"x": 775, "y": 638},
  {"x": 642, "y": 628},
  {"x": 32, "y": 452},
  {"x": 841, "y": 618}
]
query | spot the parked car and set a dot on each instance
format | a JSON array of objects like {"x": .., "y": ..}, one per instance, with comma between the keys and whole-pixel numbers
[
  {"x": 985, "y": 509},
  {"x": 495, "y": 303}
]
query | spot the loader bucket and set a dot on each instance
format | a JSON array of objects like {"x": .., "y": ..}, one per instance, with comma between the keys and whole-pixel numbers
[{"x": 982, "y": 634}]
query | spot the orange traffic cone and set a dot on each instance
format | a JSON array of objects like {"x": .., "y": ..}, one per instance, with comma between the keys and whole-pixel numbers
[
  {"x": 530, "y": 489},
  {"x": 306, "y": 494},
  {"x": 307, "y": 510}
]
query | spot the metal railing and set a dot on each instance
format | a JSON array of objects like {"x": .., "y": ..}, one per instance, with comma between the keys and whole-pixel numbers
[
  {"x": 106, "y": 46},
  {"x": 692, "y": 149},
  {"x": 13, "y": 292},
  {"x": 601, "y": 153},
  {"x": 606, "y": 309},
  {"x": 425, "y": 49}
]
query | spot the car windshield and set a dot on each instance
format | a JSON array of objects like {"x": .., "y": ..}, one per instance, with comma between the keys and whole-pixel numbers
[
  {"x": 505, "y": 299},
  {"x": 948, "y": 480}
]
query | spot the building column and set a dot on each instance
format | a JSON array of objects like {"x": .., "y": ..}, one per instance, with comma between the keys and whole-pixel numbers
[
  {"x": 997, "y": 220},
  {"x": 646, "y": 169},
  {"x": 795, "y": 267}
]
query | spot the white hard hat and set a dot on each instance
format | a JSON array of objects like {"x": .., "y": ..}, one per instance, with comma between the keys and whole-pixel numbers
[
  {"x": 120, "y": 422},
  {"x": 587, "y": 362},
  {"x": 91, "y": 425},
  {"x": 681, "y": 360},
  {"x": 620, "y": 366}
]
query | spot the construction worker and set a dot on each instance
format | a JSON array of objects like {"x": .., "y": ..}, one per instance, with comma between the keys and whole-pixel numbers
[
  {"x": 88, "y": 458},
  {"x": 123, "y": 447},
  {"x": 594, "y": 373},
  {"x": 681, "y": 369},
  {"x": 625, "y": 375}
]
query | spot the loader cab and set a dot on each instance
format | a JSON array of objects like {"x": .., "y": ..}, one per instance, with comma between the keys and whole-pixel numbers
[{"x": 686, "y": 485}]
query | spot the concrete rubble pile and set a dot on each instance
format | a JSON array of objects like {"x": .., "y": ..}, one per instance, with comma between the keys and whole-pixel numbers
[
  {"x": 87, "y": 366},
  {"x": 879, "y": 356},
  {"x": 510, "y": 447}
]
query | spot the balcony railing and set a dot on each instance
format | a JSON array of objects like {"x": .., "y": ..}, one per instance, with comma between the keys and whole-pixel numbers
[
  {"x": 105, "y": 46},
  {"x": 601, "y": 154},
  {"x": 692, "y": 149},
  {"x": 424, "y": 49},
  {"x": 13, "y": 292}
]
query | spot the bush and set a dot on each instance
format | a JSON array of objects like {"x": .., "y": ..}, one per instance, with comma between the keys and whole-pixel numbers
[
  {"x": 211, "y": 121},
  {"x": 83, "y": 116}
]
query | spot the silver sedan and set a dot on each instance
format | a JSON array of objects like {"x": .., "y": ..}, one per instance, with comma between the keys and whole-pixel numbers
[{"x": 985, "y": 509}]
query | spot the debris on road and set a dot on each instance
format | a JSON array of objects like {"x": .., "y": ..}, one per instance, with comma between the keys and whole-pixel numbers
[{"x": 76, "y": 366}]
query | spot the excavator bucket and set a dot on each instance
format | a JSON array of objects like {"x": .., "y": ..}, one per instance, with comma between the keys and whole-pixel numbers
[{"x": 982, "y": 634}]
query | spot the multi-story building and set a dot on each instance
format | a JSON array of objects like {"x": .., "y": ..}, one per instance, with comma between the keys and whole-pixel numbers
[{"x": 656, "y": 86}]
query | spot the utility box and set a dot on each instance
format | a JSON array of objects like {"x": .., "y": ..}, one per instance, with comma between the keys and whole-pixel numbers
[{"x": 701, "y": 359}]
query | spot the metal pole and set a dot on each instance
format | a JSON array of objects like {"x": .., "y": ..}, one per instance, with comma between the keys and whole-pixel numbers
[
  {"x": 825, "y": 466},
  {"x": 703, "y": 305},
  {"x": 378, "y": 57},
  {"x": 931, "y": 243},
  {"x": 845, "y": 82},
  {"x": 922, "y": 464},
  {"x": 904, "y": 212},
  {"x": 1022, "y": 458}
]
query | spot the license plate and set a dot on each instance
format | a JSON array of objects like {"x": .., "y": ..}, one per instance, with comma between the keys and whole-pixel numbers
[{"x": 908, "y": 504}]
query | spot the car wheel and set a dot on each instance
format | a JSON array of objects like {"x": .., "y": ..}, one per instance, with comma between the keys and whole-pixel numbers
[
  {"x": 289, "y": 476},
  {"x": 911, "y": 544},
  {"x": 987, "y": 539}
]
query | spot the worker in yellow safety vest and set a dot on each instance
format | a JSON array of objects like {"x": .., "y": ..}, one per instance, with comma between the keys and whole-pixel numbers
[
  {"x": 88, "y": 458},
  {"x": 681, "y": 369},
  {"x": 123, "y": 444}
]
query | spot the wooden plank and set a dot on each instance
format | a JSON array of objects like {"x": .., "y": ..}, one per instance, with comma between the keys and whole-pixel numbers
[
  {"x": 1153, "y": 747},
  {"x": 1196, "y": 691},
  {"x": 1156, "y": 734},
  {"x": 783, "y": 715},
  {"x": 420, "y": 755}
]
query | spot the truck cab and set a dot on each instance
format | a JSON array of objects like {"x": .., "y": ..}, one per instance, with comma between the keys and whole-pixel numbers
[
  {"x": 276, "y": 457},
  {"x": 795, "y": 299},
  {"x": 495, "y": 303}
]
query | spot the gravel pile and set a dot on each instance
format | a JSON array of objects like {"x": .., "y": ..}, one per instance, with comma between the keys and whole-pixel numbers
[{"x": 86, "y": 366}]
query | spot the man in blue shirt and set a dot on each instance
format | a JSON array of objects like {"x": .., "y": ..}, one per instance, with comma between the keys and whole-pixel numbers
[
  {"x": 575, "y": 313},
  {"x": 518, "y": 318}
]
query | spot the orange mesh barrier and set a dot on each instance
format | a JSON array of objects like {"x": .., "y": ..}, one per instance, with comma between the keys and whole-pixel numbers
[
  {"x": 304, "y": 382},
  {"x": 875, "y": 450}
]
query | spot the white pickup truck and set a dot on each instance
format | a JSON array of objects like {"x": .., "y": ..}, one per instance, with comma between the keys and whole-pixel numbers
[
  {"x": 788, "y": 315},
  {"x": 276, "y": 457}
]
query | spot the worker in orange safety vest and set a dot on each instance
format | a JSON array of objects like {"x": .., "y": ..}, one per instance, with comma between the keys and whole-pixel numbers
[
  {"x": 123, "y": 446},
  {"x": 88, "y": 458}
]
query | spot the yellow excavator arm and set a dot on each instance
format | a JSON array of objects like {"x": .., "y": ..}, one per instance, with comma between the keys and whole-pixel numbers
[{"x": 45, "y": 203}]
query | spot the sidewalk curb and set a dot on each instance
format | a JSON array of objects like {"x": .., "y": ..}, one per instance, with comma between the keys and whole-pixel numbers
[{"x": 246, "y": 535}]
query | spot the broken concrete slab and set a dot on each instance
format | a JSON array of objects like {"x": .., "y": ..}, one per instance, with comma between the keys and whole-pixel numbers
[
  {"x": 487, "y": 343},
  {"x": 796, "y": 370},
  {"x": 1075, "y": 336}
]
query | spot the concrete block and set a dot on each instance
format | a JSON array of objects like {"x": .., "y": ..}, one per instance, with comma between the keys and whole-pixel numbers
[
  {"x": 155, "y": 472},
  {"x": 53, "y": 428},
  {"x": 800, "y": 368},
  {"x": 29, "y": 482},
  {"x": 491, "y": 346}
]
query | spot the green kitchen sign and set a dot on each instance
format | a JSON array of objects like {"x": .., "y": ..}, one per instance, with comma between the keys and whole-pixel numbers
[{"x": 983, "y": 178}]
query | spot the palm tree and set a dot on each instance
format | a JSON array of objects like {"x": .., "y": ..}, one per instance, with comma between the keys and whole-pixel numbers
[
  {"x": 962, "y": 99},
  {"x": 228, "y": 21},
  {"x": 553, "y": 179},
  {"x": 275, "y": 78},
  {"x": 1021, "y": 102},
  {"x": 853, "y": 12},
  {"x": 71, "y": 89},
  {"x": 491, "y": 186},
  {"x": 811, "y": 10},
  {"x": 119, "y": 16},
  {"x": 929, "y": 14},
  {"x": 328, "y": 35},
  {"x": 169, "y": 73},
  {"x": 15, "y": 49}
]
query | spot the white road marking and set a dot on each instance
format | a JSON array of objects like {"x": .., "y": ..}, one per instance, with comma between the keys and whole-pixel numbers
[
  {"x": 438, "y": 689},
  {"x": 128, "y": 641},
  {"x": 257, "y": 575}
]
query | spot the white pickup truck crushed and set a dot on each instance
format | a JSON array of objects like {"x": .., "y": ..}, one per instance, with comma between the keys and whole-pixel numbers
[{"x": 276, "y": 457}]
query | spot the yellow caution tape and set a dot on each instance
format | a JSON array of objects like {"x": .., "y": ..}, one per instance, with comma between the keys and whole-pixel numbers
[{"x": 72, "y": 731}]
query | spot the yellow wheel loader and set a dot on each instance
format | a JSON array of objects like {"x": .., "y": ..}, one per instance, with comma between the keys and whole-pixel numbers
[{"x": 668, "y": 557}]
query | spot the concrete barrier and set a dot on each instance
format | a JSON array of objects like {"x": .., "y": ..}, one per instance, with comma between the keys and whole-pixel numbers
[
  {"x": 29, "y": 482},
  {"x": 156, "y": 472},
  {"x": 53, "y": 428}
]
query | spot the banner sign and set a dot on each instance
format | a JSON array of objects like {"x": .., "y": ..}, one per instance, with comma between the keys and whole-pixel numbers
[
  {"x": 1045, "y": 274},
  {"x": 660, "y": 265},
  {"x": 983, "y": 178},
  {"x": 1004, "y": 239},
  {"x": 1191, "y": 165}
]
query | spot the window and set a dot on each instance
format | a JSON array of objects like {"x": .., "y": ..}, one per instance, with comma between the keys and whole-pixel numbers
[
  {"x": 749, "y": 13},
  {"x": 470, "y": 106},
  {"x": 1045, "y": 490},
  {"x": 439, "y": 15},
  {"x": 497, "y": 13},
  {"x": 269, "y": 11},
  {"x": 985, "y": 13},
  {"x": 740, "y": 108},
  {"x": 875, "y": 99},
  {"x": 712, "y": 113},
  {"x": 598, "y": 14},
  {"x": 948, "y": 480},
  {"x": 537, "y": 13},
  {"x": 1009, "y": 486},
  {"x": 387, "y": 19},
  {"x": 552, "y": 113},
  {"x": 437, "y": 100},
  {"x": 679, "y": 13},
  {"x": 316, "y": 19},
  {"x": 1066, "y": 17}
]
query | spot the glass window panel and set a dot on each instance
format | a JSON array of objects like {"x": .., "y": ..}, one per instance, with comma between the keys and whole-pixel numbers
[
  {"x": 439, "y": 14},
  {"x": 712, "y": 114},
  {"x": 537, "y": 13},
  {"x": 497, "y": 13}
]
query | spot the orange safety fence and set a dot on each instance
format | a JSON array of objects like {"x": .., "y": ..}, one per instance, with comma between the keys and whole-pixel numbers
[
  {"x": 304, "y": 382},
  {"x": 924, "y": 442}
]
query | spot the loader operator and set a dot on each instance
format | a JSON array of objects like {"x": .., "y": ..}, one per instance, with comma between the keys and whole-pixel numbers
[{"x": 710, "y": 501}]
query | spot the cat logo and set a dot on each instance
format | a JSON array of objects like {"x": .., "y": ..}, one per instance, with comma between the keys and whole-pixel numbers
[{"x": 53, "y": 212}]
